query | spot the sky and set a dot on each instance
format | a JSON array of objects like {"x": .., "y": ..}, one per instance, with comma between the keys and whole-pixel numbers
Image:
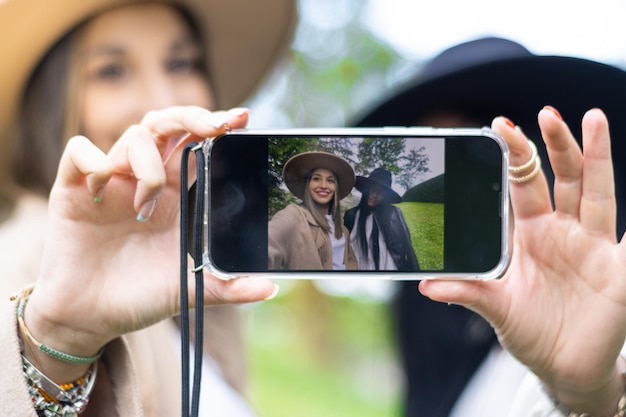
[
  {"x": 434, "y": 148},
  {"x": 420, "y": 29},
  {"x": 582, "y": 28}
]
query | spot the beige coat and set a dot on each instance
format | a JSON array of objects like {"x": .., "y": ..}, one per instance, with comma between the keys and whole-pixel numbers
[
  {"x": 297, "y": 242},
  {"x": 145, "y": 365}
]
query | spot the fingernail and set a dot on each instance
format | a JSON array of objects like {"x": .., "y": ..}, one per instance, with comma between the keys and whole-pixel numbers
[
  {"x": 99, "y": 194},
  {"x": 238, "y": 111},
  {"x": 274, "y": 293},
  {"x": 555, "y": 111},
  {"x": 509, "y": 122},
  {"x": 214, "y": 121},
  {"x": 146, "y": 211}
]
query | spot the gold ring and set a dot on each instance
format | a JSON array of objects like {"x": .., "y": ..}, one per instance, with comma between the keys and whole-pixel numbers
[{"x": 520, "y": 174}]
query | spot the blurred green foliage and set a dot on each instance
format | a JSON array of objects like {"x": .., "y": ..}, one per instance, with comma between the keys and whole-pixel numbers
[
  {"x": 337, "y": 69},
  {"x": 317, "y": 355},
  {"x": 313, "y": 353}
]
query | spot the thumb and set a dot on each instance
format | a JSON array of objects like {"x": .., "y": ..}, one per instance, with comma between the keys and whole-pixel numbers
[{"x": 483, "y": 297}]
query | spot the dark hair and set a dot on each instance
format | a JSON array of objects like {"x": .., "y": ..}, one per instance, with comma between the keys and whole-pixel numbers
[
  {"x": 196, "y": 35},
  {"x": 315, "y": 209},
  {"x": 41, "y": 121},
  {"x": 364, "y": 210}
]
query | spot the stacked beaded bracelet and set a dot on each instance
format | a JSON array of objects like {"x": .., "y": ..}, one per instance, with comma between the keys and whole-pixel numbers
[
  {"x": 62, "y": 356},
  {"x": 52, "y": 400}
]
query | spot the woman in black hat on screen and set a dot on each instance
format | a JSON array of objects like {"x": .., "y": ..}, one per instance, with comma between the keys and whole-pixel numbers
[
  {"x": 452, "y": 360},
  {"x": 379, "y": 235}
]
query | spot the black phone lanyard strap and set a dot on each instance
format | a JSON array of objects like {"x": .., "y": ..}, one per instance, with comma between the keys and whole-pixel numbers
[{"x": 199, "y": 277}]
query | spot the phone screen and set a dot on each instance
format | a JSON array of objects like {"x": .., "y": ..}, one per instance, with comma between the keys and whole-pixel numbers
[{"x": 444, "y": 189}]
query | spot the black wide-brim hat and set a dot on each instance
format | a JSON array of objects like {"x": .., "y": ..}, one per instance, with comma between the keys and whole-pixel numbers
[
  {"x": 490, "y": 77},
  {"x": 382, "y": 178},
  {"x": 300, "y": 166}
]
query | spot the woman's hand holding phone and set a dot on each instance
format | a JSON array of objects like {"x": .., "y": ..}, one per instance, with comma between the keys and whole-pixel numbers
[
  {"x": 561, "y": 306},
  {"x": 104, "y": 273}
]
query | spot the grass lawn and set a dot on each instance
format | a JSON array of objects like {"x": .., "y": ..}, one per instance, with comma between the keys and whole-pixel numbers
[
  {"x": 288, "y": 384},
  {"x": 339, "y": 362},
  {"x": 425, "y": 222}
]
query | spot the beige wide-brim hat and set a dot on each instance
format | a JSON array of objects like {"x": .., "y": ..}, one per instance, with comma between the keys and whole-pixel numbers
[
  {"x": 243, "y": 40},
  {"x": 298, "y": 167}
]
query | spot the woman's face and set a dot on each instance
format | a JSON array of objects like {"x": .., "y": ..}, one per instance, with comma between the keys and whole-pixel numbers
[
  {"x": 322, "y": 186},
  {"x": 375, "y": 195},
  {"x": 134, "y": 59}
]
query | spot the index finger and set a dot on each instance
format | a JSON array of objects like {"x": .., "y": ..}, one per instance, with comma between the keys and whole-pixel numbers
[
  {"x": 528, "y": 198},
  {"x": 171, "y": 124},
  {"x": 135, "y": 154},
  {"x": 82, "y": 162}
]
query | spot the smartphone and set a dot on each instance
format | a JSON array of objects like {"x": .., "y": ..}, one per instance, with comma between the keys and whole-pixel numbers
[{"x": 449, "y": 188}]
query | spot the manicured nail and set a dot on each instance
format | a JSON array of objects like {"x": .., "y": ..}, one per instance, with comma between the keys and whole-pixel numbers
[
  {"x": 99, "y": 194},
  {"x": 274, "y": 293},
  {"x": 555, "y": 111},
  {"x": 146, "y": 211},
  {"x": 509, "y": 122}
]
